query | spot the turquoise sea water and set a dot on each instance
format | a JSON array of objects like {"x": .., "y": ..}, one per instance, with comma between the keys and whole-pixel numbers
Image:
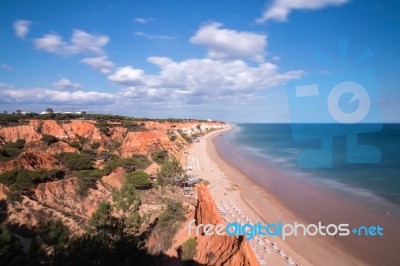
[{"x": 273, "y": 145}]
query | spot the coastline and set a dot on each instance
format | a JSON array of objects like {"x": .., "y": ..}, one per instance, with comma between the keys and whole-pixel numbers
[
  {"x": 228, "y": 183},
  {"x": 307, "y": 202}
]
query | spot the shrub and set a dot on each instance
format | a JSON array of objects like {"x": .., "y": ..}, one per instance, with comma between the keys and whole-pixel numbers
[
  {"x": 90, "y": 154},
  {"x": 130, "y": 164},
  {"x": 75, "y": 145},
  {"x": 189, "y": 249},
  {"x": 83, "y": 140},
  {"x": 138, "y": 179},
  {"x": 95, "y": 145},
  {"x": 55, "y": 233},
  {"x": 75, "y": 161},
  {"x": 134, "y": 126},
  {"x": 169, "y": 170},
  {"x": 106, "y": 156},
  {"x": 19, "y": 144},
  {"x": 10, "y": 247},
  {"x": 39, "y": 127},
  {"x": 103, "y": 127},
  {"x": 173, "y": 213},
  {"x": 22, "y": 180},
  {"x": 11, "y": 150},
  {"x": 49, "y": 139},
  {"x": 168, "y": 222},
  {"x": 160, "y": 156},
  {"x": 113, "y": 145},
  {"x": 185, "y": 136},
  {"x": 87, "y": 179},
  {"x": 140, "y": 161}
]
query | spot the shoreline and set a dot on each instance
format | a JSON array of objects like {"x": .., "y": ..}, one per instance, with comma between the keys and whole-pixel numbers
[
  {"x": 304, "y": 201},
  {"x": 227, "y": 182}
]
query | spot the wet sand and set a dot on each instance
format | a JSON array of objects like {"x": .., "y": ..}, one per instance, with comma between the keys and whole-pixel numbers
[
  {"x": 274, "y": 197},
  {"x": 268, "y": 196},
  {"x": 228, "y": 183}
]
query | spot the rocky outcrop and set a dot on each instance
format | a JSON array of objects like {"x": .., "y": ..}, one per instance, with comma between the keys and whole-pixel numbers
[
  {"x": 116, "y": 179},
  {"x": 59, "y": 200},
  {"x": 219, "y": 250},
  {"x": 37, "y": 155}
]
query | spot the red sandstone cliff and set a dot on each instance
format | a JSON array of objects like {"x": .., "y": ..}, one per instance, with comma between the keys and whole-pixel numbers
[
  {"x": 219, "y": 250},
  {"x": 59, "y": 200},
  {"x": 37, "y": 155}
]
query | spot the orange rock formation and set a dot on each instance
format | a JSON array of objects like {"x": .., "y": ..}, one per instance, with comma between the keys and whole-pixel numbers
[
  {"x": 219, "y": 250},
  {"x": 37, "y": 155}
]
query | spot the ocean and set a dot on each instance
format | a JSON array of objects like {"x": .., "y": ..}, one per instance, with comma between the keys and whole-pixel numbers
[{"x": 374, "y": 184}]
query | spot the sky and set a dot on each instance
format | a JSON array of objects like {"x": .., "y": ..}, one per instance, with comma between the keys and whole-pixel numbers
[{"x": 221, "y": 60}]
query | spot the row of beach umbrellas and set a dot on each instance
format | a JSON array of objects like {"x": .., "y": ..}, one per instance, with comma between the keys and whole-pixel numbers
[{"x": 261, "y": 245}]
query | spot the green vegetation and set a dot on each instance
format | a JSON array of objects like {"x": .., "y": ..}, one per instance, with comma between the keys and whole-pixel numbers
[
  {"x": 75, "y": 145},
  {"x": 10, "y": 247},
  {"x": 75, "y": 161},
  {"x": 102, "y": 222},
  {"x": 39, "y": 127},
  {"x": 127, "y": 200},
  {"x": 102, "y": 125},
  {"x": 11, "y": 150},
  {"x": 108, "y": 240},
  {"x": 168, "y": 222},
  {"x": 160, "y": 156},
  {"x": 115, "y": 233},
  {"x": 137, "y": 162},
  {"x": 55, "y": 234},
  {"x": 87, "y": 179},
  {"x": 189, "y": 249},
  {"x": 37, "y": 256},
  {"x": 185, "y": 136},
  {"x": 106, "y": 156},
  {"x": 10, "y": 119},
  {"x": 113, "y": 145},
  {"x": 90, "y": 154},
  {"x": 20, "y": 181},
  {"x": 138, "y": 179},
  {"x": 95, "y": 145},
  {"x": 83, "y": 140},
  {"x": 169, "y": 171},
  {"x": 49, "y": 139},
  {"x": 134, "y": 126}
]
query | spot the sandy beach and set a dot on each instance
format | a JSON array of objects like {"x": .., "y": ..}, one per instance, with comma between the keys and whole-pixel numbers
[{"x": 228, "y": 184}]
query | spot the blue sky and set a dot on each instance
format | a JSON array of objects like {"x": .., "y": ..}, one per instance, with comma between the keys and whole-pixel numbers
[{"x": 226, "y": 60}]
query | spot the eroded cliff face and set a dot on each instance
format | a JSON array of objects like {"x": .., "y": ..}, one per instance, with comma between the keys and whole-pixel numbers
[
  {"x": 59, "y": 200},
  {"x": 37, "y": 155},
  {"x": 219, "y": 250}
]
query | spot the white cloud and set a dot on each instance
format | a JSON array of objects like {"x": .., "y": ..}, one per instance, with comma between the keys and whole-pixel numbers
[
  {"x": 42, "y": 95},
  {"x": 66, "y": 83},
  {"x": 230, "y": 44},
  {"x": 101, "y": 63},
  {"x": 5, "y": 86},
  {"x": 153, "y": 36},
  {"x": 128, "y": 76},
  {"x": 143, "y": 20},
  {"x": 80, "y": 42},
  {"x": 202, "y": 78},
  {"x": 280, "y": 9},
  {"x": 21, "y": 28},
  {"x": 6, "y": 67}
]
